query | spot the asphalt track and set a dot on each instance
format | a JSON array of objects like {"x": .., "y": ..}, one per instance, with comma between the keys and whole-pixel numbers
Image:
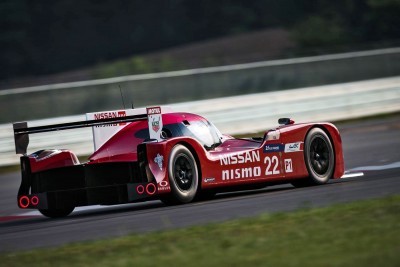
[{"x": 370, "y": 147}]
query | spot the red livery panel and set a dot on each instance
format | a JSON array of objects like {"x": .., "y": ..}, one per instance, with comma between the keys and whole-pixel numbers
[{"x": 175, "y": 157}]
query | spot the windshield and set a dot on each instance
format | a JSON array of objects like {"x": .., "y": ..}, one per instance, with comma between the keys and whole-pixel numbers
[
  {"x": 205, "y": 132},
  {"x": 202, "y": 130}
]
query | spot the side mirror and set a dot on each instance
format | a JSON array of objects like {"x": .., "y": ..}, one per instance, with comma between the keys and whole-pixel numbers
[{"x": 285, "y": 121}]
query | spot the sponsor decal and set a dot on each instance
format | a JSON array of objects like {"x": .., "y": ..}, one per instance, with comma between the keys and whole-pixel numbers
[
  {"x": 273, "y": 148},
  {"x": 293, "y": 147},
  {"x": 154, "y": 119},
  {"x": 154, "y": 110},
  {"x": 120, "y": 115},
  {"x": 164, "y": 188},
  {"x": 155, "y": 124},
  {"x": 271, "y": 168},
  {"x": 102, "y": 133},
  {"x": 163, "y": 185},
  {"x": 241, "y": 173},
  {"x": 240, "y": 158},
  {"x": 288, "y": 165},
  {"x": 110, "y": 115},
  {"x": 209, "y": 180},
  {"x": 159, "y": 160}
]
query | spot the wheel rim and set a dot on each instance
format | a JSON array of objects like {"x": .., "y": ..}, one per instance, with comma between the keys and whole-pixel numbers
[
  {"x": 319, "y": 155},
  {"x": 183, "y": 172}
]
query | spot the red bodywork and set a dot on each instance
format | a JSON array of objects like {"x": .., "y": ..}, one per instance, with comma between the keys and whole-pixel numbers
[
  {"x": 233, "y": 163},
  {"x": 224, "y": 167}
]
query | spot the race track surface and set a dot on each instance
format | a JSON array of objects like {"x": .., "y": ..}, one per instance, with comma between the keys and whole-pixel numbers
[{"x": 370, "y": 147}]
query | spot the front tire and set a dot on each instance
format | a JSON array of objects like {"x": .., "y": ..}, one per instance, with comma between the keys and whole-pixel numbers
[
  {"x": 56, "y": 213},
  {"x": 319, "y": 158},
  {"x": 183, "y": 176}
]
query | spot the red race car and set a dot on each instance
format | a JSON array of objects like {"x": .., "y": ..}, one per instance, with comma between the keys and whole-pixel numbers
[{"x": 154, "y": 153}]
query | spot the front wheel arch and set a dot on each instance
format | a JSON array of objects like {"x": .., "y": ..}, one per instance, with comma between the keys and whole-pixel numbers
[
  {"x": 319, "y": 157},
  {"x": 202, "y": 194},
  {"x": 183, "y": 172}
]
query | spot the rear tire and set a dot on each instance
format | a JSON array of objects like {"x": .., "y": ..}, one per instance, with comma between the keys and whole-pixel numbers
[
  {"x": 183, "y": 176},
  {"x": 56, "y": 213},
  {"x": 319, "y": 158}
]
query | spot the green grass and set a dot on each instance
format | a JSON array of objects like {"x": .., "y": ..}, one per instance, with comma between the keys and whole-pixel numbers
[
  {"x": 363, "y": 233},
  {"x": 10, "y": 168}
]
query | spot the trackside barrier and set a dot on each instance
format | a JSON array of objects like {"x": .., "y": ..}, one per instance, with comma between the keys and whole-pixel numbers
[
  {"x": 81, "y": 97},
  {"x": 240, "y": 114}
]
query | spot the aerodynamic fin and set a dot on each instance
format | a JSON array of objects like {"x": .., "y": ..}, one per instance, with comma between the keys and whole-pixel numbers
[{"x": 154, "y": 119}]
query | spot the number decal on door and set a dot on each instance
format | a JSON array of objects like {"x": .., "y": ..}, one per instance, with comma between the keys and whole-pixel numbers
[{"x": 271, "y": 163}]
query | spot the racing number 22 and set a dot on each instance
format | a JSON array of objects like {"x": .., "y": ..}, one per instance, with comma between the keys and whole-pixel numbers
[{"x": 271, "y": 162}]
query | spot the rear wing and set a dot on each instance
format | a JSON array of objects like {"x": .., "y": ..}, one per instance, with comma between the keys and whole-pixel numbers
[{"x": 22, "y": 131}]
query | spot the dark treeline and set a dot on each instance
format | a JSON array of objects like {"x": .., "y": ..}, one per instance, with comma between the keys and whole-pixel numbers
[{"x": 43, "y": 37}]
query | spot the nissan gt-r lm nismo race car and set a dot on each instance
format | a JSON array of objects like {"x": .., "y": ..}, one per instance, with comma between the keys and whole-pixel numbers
[{"x": 155, "y": 153}]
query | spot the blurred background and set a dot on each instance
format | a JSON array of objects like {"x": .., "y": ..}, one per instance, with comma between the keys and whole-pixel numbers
[{"x": 46, "y": 46}]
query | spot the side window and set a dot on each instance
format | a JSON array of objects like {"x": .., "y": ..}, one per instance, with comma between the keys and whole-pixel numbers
[
  {"x": 168, "y": 131},
  {"x": 216, "y": 134},
  {"x": 171, "y": 130}
]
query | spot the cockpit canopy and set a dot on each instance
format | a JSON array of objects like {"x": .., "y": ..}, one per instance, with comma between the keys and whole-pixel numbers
[{"x": 174, "y": 125}]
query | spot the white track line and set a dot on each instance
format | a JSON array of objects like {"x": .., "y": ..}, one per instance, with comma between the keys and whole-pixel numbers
[
  {"x": 352, "y": 175},
  {"x": 393, "y": 165}
]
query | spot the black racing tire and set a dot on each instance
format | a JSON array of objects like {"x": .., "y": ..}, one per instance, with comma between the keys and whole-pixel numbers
[
  {"x": 183, "y": 175},
  {"x": 57, "y": 213},
  {"x": 319, "y": 158}
]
